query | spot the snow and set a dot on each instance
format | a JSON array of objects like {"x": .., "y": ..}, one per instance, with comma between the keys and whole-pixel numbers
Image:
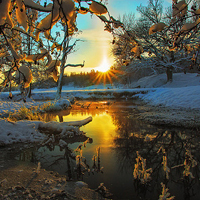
[
  {"x": 23, "y": 131},
  {"x": 183, "y": 92},
  {"x": 183, "y": 97}
]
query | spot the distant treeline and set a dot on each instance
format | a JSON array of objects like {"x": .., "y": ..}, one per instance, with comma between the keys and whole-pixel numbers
[
  {"x": 87, "y": 78},
  {"x": 82, "y": 79}
]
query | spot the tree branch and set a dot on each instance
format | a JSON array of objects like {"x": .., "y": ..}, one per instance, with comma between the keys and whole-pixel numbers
[
  {"x": 33, "y": 5},
  {"x": 75, "y": 65}
]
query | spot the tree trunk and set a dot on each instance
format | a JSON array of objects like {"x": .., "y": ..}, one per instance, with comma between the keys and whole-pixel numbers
[
  {"x": 62, "y": 66},
  {"x": 60, "y": 80},
  {"x": 29, "y": 91},
  {"x": 169, "y": 74}
]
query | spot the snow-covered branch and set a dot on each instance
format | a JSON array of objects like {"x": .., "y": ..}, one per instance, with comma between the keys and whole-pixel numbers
[
  {"x": 70, "y": 48},
  {"x": 75, "y": 65},
  {"x": 63, "y": 128}
]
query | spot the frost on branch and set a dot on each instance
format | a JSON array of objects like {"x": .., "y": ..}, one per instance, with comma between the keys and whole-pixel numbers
[
  {"x": 140, "y": 172},
  {"x": 165, "y": 194},
  {"x": 188, "y": 164}
]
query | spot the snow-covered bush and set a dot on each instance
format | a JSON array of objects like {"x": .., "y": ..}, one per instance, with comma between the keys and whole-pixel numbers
[{"x": 56, "y": 105}]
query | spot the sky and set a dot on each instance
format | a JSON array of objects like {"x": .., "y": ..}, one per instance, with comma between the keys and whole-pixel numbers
[{"x": 95, "y": 47}]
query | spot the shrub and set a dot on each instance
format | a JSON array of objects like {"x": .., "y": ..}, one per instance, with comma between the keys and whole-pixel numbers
[{"x": 25, "y": 114}]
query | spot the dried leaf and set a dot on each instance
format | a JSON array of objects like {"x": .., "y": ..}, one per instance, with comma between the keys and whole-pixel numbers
[
  {"x": 57, "y": 46},
  {"x": 83, "y": 10},
  {"x": 197, "y": 22},
  {"x": 47, "y": 35},
  {"x": 49, "y": 59},
  {"x": 71, "y": 22},
  {"x": 4, "y": 11},
  {"x": 98, "y": 8},
  {"x": 197, "y": 12},
  {"x": 67, "y": 12},
  {"x": 21, "y": 14},
  {"x": 137, "y": 50},
  {"x": 49, "y": 21},
  {"x": 19, "y": 29},
  {"x": 180, "y": 9},
  {"x": 9, "y": 21},
  {"x": 52, "y": 65},
  {"x": 103, "y": 18},
  {"x": 55, "y": 74},
  {"x": 157, "y": 27},
  {"x": 35, "y": 57},
  {"x": 188, "y": 26},
  {"x": 24, "y": 74},
  {"x": 14, "y": 53}
]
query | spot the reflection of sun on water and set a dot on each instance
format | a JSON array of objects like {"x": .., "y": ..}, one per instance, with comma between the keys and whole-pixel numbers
[{"x": 101, "y": 129}]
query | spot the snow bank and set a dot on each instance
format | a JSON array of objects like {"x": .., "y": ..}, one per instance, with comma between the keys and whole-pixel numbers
[
  {"x": 183, "y": 97},
  {"x": 179, "y": 80},
  {"x": 23, "y": 131},
  {"x": 182, "y": 92},
  {"x": 7, "y": 106},
  {"x": 31, "y": 131}
]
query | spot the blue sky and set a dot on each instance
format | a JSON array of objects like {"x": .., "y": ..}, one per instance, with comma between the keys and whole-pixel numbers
[{"x": 96, "y": 42}]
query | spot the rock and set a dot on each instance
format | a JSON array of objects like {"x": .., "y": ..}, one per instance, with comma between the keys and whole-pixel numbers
[{"x": 81, "y": 184}]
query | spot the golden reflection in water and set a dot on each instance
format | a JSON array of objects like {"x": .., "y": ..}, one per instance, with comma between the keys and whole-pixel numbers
[{"x": 101, "y": 129}]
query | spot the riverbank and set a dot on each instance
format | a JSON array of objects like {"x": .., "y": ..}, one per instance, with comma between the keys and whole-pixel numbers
[
  {"x": 31, "y": 182},
  {"x": 172, "y": 117},
  {"x": 174, "y": 103}
]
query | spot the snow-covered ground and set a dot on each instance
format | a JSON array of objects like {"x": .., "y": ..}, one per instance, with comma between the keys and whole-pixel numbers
[{"x": 182, "y": 93}]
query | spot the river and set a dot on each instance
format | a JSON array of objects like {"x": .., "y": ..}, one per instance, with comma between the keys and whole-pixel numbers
[{"x": 118, "y": 135}]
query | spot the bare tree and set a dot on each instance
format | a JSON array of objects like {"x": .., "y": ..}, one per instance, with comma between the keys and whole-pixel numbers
[
  {"x": 66, "y": 50},
  {"x": 165, "y": 36},
  {"x": 64, "y": 11}
]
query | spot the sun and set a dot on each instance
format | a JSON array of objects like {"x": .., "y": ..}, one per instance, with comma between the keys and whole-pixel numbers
[{"x": 104, "y": 66}]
